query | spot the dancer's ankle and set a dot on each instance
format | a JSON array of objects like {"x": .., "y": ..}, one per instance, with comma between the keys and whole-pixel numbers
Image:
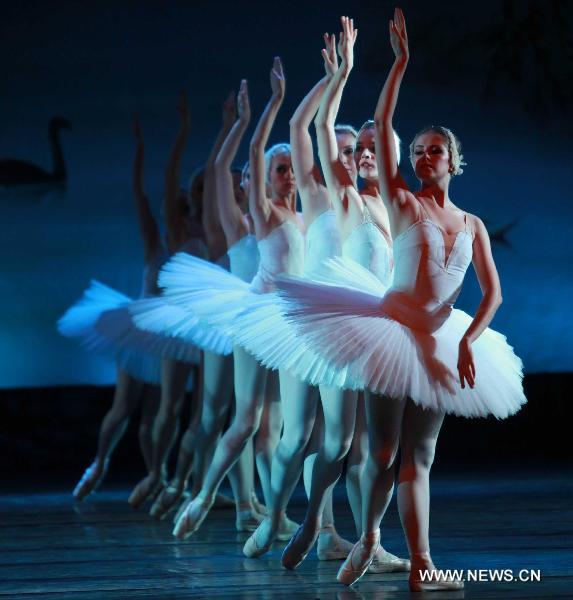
[
  {"x": 422, "y": 559},
  {"x": 205, "y": 498},
  {"x": 371, "y": 538}
]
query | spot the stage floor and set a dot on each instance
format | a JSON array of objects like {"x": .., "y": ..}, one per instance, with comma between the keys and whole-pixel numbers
[{"x": 102, "y": 548}]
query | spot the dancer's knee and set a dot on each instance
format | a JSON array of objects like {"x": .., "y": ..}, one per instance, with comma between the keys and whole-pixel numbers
[
  {"x": 245, "y": 428},
  {"x": 416, "y": 459},
  {"x": 336, "y": 448},
  {"x": 383, "y": 458},
  {"x": 295, "y": 442}
]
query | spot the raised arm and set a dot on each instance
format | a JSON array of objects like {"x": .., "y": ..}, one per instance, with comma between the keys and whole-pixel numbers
[
  {"x": 337, "y": 179},
  {"x": 307, "y": 174},
  {"x": 177, "y": 229},
  {"x": 491, "y": 299},
  {"x": 391, "y": 181},
  {"x": 211, "y": 221},
  {"x": 147, "y": 224},
  {"x": 259, "y": 205},
  {"x": 231, "y": 216}
]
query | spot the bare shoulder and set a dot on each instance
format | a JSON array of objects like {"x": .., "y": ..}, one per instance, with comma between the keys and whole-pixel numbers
[{"x": 476, "y": 225}]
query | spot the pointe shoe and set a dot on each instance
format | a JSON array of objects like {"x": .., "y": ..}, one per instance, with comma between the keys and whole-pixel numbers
[
  {"x": 287, "y": 529},
  {"x": 359, "y": 559},
  {"x": 148, "y": 487},
  {"x": 385, "y": 562},
  {"x": 184, "y": 505},
  {"x": 254, "y": 548},
  {"x": 190, "y": 521},
  {"x": 90, "y": 480},
  {"x": 248, "y": 519},
  {"x": 433, "y": 582},
  {"x": 297, "y": 549},
  {"x": 166, "y": 501},
  {"x": 331, "y": 546}
]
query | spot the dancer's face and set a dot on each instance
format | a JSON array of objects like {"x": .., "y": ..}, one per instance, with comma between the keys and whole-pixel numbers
[
  {"x": 346, "y": 143},
  {"x": 241, "y": 197},
  {"x": 281, "y": 176},
  {"x": 365, "y": 155},
  {"x": 431, "y": 158}
]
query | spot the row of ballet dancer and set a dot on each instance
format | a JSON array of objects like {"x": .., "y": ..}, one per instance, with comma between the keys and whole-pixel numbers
[{"x": 338, "y": 325}]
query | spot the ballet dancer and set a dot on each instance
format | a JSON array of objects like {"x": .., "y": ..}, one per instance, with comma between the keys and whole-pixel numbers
[
  {"x": 278, "y": 229},
  {"x": 322, "y": 242},
  {"x": 419, "y": 356},
  {"x": 134, "y": 369},
  {"x": 256, "y": 402},
  {"x": 217, "y": 396},
  {"x": 365, "y": 239},
  {"x": 184, "y": 233}
]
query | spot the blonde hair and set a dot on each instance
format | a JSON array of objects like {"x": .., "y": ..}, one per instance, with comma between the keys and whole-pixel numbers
[
  {"x": 271, "y": 153},
  {"x": 345, "y": 129},
  {"x": 454, "y": 147},
  {"x": 370, "y": 125}
]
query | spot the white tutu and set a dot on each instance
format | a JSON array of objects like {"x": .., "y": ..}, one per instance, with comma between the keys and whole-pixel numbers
[
  {"x": 204, "y": 291},
  {"x": 340, "y": 319},
  {"x": 264, "y": 331},
  {"x": 102, "y": 322},
  {"x": 176, "y": 329}
]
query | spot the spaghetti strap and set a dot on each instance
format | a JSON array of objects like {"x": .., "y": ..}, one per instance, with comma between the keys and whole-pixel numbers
[
  {"x": 425, "y": 214},
  {"x": 467, "y": 228}
]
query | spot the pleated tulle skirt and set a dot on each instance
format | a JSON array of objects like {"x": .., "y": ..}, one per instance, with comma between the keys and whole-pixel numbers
[
  {"x": 230, "y": 307},
  {"x": 338, "y": 317},
  {"x": 102, "y": 322}
]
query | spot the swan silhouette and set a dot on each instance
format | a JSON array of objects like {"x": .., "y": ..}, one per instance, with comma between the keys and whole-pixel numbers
[{"x": 21, "y": 172}]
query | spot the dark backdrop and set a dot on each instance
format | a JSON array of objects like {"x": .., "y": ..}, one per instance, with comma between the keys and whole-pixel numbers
[{"x": 497, "y": 73}]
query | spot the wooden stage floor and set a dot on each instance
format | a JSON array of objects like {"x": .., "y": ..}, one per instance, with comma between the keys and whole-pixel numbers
[{"x": 55, "y": 548}]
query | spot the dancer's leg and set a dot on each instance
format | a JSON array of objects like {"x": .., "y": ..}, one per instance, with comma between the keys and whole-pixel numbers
[
  {"x": 418, "y": 443},
  {"x": 339, "y": 410},
  {"x": 384, "y": 421},
  {"x": 174, "y": 377},
  {"x": 216, "y": 404},
  {"x": 356, "y": 462},
  {"x": 299, "y": 410},
  {"x": 420, "y": 431},
  {"x": 170, "y": 495},
  {"x": 149, "y": 407},
  {"x": 242, "y": 479},
  {"x": 250, "y": 380},
  {"x": 126, "y": 396},
  {"x": 269, "y": 433}
]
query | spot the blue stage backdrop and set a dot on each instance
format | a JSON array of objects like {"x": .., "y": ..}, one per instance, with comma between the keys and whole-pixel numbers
[{"x": 497, "y": 78}]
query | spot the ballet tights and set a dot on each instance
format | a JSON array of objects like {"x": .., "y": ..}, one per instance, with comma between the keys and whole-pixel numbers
[
  {"x": 252, "y": 401},
  {"x": 391, "y": 424},
  {"x": 299, "y": 402},
  {"x": 339, "y": 415}
]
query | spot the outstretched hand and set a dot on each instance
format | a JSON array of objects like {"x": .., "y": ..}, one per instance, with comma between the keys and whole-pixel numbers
[
  {"x": 243, "y": 104},
  {"x": 229, "y": 110},
  {"x": 346, "y": 41},
  {"x": 466, "y": 366},
  {"x": 278, "y": 79},
  {"x": 398, "y": 35},
  {"x": 329, "y": 55},
  {"x": 183, "y": 110}
]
